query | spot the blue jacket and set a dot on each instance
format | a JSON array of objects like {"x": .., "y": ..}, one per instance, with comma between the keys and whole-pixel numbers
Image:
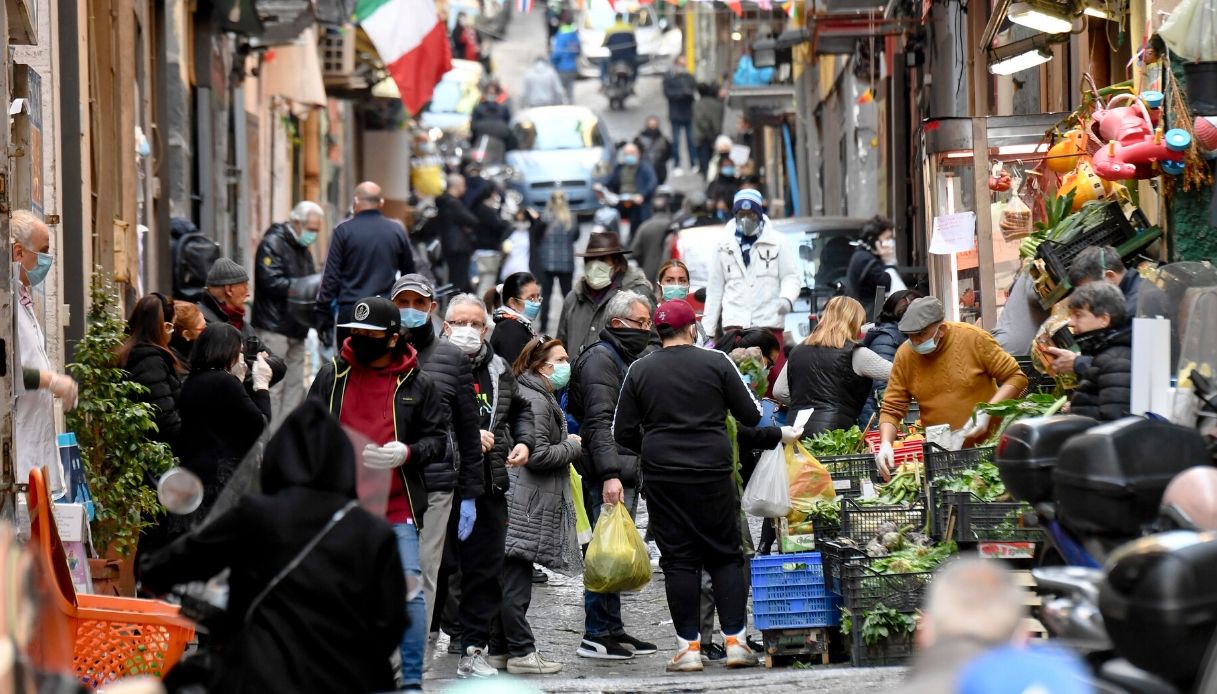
[
  {"x": 645, "y": 182},
  {"x": 366, "y": 253},
  {"x": 565, "y": 55},
  {"x": 882, "y": 339}
]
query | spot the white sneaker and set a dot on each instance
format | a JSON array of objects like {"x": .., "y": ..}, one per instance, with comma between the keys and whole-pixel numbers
[
  {"x": 497, "y": 662},
  {"x": 687, "y": 658},
  {"x": 653, "y": 552},
  {"x": 473, "y": 664},
  {"x": 738, "y": 652},
  {"x": 678, "y": 172},
  {"x": 532, "y": 664}
]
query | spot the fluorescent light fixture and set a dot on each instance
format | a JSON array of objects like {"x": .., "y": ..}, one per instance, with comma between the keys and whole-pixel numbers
[
  {"x": 1015, "y": 150},
  {"x": 1020, "y": 62},
  {"x": 1097, "y": 12},
  {"x": 736, "y": 36},
  {"x": 1041, "y": 17},
  {"x": 966, "y": 154}
]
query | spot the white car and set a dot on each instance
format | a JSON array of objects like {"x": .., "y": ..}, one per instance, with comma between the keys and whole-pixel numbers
[{"x": 658, "y": 43}]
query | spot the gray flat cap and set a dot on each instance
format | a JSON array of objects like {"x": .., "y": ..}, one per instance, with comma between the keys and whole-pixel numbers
[{"x": 921, "y": 314}]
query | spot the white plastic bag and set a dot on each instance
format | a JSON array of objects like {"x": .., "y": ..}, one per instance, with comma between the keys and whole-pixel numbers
[
  {"x": 768, "y": 492},
  {"x": 1191, "y": 30}
]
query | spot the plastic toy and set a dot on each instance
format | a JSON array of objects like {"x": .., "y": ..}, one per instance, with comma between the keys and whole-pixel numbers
[
  {"x": 1133, "y": 147},
  {"x": 1063, "y": 156}
]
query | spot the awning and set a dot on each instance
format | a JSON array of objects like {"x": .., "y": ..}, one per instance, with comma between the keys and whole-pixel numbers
[
  {"x": 283, "y": 20},
  {"x": 294, "y": 71}
]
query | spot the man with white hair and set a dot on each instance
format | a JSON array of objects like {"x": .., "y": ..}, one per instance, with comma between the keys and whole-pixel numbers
[
  {"x": 283, "y": 261},
  {"x": 972, "y": 605},
  {"x": 34, "y": 424}
]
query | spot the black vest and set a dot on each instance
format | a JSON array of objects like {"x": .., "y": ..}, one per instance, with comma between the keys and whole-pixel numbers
[{"x": 824, "y": 378}]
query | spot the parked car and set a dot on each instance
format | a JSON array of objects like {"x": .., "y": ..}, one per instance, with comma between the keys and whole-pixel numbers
[
  {"x": 823, "y": 245},
  {"x": 454, "y": 99},
  {"x": 565, "y": 147},
  {"x": 658, "y": 43}
]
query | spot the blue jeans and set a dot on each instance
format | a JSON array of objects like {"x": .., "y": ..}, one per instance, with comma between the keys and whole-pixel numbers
[
  {"x": 602, "y": 611},
  {"x": 687, "y": 126},
  {"x": 414, "y": 640}
]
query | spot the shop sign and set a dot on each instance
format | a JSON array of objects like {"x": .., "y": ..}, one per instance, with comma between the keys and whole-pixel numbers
[{"x": 1006, "y": 550}]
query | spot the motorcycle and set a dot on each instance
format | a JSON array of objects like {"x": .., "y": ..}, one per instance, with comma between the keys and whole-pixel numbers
[{"x": 620, "y": 84}]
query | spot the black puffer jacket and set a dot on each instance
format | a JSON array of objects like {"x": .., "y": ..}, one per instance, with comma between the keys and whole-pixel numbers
[
  {"x": 1105, "y": 387},
  {"x": 280, "y": 260},
  {"x": 595, "y": 386},
  {"x": 510, "y": 419},
  {"x": 212, "y": 313},
  {"x": 154, "y": 368},
  {"x": 452, "y": 375}
]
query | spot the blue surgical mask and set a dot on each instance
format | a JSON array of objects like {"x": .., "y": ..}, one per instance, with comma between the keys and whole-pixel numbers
[
  {"x": 38, "y": 274},
  {"x": 926, "y": 347},
  {"x": 672, "y": 292},
  {"x": 560, "y": 377},
  {"x": 413, "y": 318},
  {"x": 629, "y": 160},
  {"x": 307, "y": 238},
  {"x": 727, "y": 171},
  {"x": 532, "y": 309}
]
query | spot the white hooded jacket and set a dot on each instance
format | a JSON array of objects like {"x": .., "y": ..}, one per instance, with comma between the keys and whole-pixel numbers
[{"x": 754, "y": 296}]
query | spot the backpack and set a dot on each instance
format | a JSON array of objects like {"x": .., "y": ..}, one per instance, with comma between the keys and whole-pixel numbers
[{"x": 193, "y": 257}]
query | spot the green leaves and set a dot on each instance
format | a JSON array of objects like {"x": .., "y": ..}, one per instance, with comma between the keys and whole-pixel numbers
[
  {"x": 882, "y": 622},
  {"x": 835, "y": 442}
]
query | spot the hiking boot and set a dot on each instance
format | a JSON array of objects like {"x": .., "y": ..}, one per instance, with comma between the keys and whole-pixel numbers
[
  {"x": 498, "y": 662},
  {"x": 638, "y": 646},
  {"x": 687, "y": 658},
  {"x": 603, "y": 648},
  {"x": 473, "y": 664},
  {"x": 738, "y": 652},
  {"x": 532, "y": 664},
  {"x": 712, "y": 652}
]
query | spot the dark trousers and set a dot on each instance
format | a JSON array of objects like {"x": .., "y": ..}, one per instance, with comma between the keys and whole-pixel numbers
[
  {"x": 705, "y": 152},
  {"x": 481, "y": 568},
  {"x": 687, "y": 126},
  {"x": 635, "y": 215},
  {"x": 512, "y": 634},
  {"x": 566, "y": 280},
  {"x": 602, "y": 611},
  {"x": 458, "y": 270},
  {"x": 696, "y": 526}
]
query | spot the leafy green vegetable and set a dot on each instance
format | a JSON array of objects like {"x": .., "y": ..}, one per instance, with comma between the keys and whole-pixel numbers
[
  {"x": 1010, "y": 411},
  {"x": 915, "y": 558},
  {"x": 882, "y": 622},
  {"x": 847, "y": 620},
  {"x": 826, "y": 511},
  {"x": 835, "y": 442},
  {"x": 983, "y": 481},
  {"x": 1012, "y": 524}
]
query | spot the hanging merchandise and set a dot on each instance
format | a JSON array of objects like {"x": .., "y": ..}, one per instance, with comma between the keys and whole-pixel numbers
[
  {"x": 1015, "y": 222},
  {"x": 999, "y": 179},
  {"x": 1135, "y": 145},
  {"x": 1191, "y": 30},
  {"x": 1083, "y": 184},
  {"x": 1063, "y": 156}
]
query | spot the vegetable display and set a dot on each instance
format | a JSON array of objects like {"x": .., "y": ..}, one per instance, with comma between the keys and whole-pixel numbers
[
  {"x": 835, "y": 442},
  {"x": 882, "y": 622},
  {"x": 983, "y": 482},
  {"x": 1010, "y": 411}
]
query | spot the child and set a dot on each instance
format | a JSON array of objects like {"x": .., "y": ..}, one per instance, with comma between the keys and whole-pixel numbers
[{"x": 1097, "y": 316}]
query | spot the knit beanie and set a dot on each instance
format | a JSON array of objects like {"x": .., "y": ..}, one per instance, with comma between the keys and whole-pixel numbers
[{"x": 225, "y": 272}]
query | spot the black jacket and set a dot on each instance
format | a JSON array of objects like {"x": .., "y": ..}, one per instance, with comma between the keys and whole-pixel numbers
[
  {"x": 212, "y": 313},
  {"x": 417, "y": 418},
  {"x": 366, "y": 254},
  {"x": 492, "y": 229},
  {"x": 673, "y": 408},
  {"x": 155, "y": 369},
  {"x": 649, "y": 246},
  {"x": 657, "y": 149},
  {"x": 680, "y": 89},
  {"x": 823, "y": 378},
  {"x": 280, "y": 260},
  {"x": 327, "y": 625},
  {"x": 882, "y": 339},
  {"x": 723, "y": 188},
  {"x": 866, "y": 273},
  {"x": 595, "y": 386},
  {"x": 452, "y": 375},
  {"x": 510, "y": 419},
  {"x": 1104, "y": 388},
  {"x": 511, "y": 335},
  {"x": 454, "y": 224}
]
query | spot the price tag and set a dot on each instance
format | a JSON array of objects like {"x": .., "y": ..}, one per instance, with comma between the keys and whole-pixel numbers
[
  {"x": 868, "y": 489},
  {"x": 801, "y": 419},
  {"x": 1006, "y": 550}
]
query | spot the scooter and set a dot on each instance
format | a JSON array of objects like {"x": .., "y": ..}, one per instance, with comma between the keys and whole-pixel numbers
[{"x": 620, "y": 84}]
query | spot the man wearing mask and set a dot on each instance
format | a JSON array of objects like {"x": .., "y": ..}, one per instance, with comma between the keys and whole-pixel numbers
[
  {"x": 34, "y": 417},
  {"x": 224, "y": 302},
  {"x": 612, "y": 472},
  {"x": 284, "y": 259},
  {"x": 374, "y": 386},
  {"x": 648, "y": 242},
  {"x": 506, "y": 423},
  {"x": 655, "y": 147},
  {"x": 605, "y": 273},
  {"x": 949, "y": 368},
  {"x": 634, "y": 180},
  {"x": 753, "y": 281},
  {"x": 460, "y": 469},
  {"x": 680, "y": 89}
]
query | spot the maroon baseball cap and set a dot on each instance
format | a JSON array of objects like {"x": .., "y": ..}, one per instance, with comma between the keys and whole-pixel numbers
[{"x": 675, "y": 314}]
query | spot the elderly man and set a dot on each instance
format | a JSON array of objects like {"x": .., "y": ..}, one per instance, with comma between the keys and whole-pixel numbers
[
  {"x": 634, "y": 180},
  {"x": 950, "y": 368},
  {"x": 284, "y": 260},
  {"x": 34, "y": 421},
  {"x": 224, "y": 302},
  {"x": 367, "y": 253},
  {"x": 606, "y": 272}
]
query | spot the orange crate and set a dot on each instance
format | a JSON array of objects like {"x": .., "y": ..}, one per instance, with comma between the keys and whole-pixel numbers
[
  {"x": 112, "y": 637},
  {"x": 902, "y": 451}
]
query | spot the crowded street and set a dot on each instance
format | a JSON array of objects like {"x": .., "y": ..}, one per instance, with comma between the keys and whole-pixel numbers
[{"x": 518, "y": 346}]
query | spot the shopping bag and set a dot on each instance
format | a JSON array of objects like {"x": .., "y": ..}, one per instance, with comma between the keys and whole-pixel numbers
[
  {"x": 809, "y": 482},
  {"x": 617, "y": 560},
  {"x": 768, "y": 491},
  {"x": 583, "y": 526}
]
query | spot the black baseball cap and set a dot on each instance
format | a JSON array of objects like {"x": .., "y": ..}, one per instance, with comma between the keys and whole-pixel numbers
[{"x": 375, "y": 313}]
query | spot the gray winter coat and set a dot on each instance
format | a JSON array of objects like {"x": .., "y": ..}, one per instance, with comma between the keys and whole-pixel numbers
[
  {"x": 542, "y": 87},
  {"x": 540, "y": 508},
  {"x": 583, "y": 318}
]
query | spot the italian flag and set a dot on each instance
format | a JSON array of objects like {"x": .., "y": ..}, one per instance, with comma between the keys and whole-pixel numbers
[{"x": 412, "y": 42}]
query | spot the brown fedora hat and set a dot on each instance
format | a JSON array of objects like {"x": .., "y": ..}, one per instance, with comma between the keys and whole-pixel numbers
[{"x": 602, "y": 243}]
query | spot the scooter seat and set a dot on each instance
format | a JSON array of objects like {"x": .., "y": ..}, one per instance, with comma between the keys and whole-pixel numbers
[{"x": 1134, "y": 680}]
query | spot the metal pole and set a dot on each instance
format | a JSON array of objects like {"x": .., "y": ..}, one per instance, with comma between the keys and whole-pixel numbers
[{"x": 8, "y": 487}]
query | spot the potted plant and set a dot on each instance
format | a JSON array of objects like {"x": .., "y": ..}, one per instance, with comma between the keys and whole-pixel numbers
[{"x": 111, "y": 426}]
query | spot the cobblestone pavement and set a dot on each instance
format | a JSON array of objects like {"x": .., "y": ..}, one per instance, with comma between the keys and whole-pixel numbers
[{"x": 556, "y": 616}]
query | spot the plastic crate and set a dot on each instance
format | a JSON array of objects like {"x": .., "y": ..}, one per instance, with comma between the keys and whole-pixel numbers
[
  {"x": 969, "y": 519},
  {"x": 848, "y": 471},
  {"x": 1036, "y": 381},
  {"x": 788, "y": 592},
  {"x": 861, "y": 523},
  {"x": 835, "y": 555},
  {"x": 939, "y": 462},
  {"x": 902, "y": 451},
  {"x": 863, "y": 589}
]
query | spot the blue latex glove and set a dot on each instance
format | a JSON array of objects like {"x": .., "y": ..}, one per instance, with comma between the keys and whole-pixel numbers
[{"x": 469, "y": 514}]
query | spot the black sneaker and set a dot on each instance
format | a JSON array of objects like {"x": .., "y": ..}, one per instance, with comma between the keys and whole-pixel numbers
[
  {"x": 754, "y": 645},
  {"x": 603, "y": 648},
  {"x": 539, "y": 576},
  {"x": 639, "y": 647},
  {"x": 712, "y": 652}
]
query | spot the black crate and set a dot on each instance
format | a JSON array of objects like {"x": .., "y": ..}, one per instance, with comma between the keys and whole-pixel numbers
[
  {"x": 939, "y": 462},
  {"x": 1036, "y": 381},
  {"x": 890, "y": 652},
  {"x": 969, "y": 519},
  {"x": 861, "y": 523},
  {"x": 834, "y": 555},
  {"x": 848, "y": 472},
  {"x": 863, "y": 589}
]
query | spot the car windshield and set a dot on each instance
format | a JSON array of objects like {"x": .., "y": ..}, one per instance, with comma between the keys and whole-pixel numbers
[
  {"x": 552, "y": 132},
  {"x": 601, "y": 15},
  {"x": 823, "y": 255},
  {"x": 447, "y": 97}
]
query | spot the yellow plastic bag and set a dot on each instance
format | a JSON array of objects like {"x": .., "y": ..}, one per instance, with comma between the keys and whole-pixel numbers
[
  {"x": 583, "y": 526},
  {"x": 809, "y": 482},
  {"x": 617, "y": 560}
]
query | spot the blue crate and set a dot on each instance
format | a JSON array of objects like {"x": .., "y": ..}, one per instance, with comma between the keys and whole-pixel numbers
[{"x": 788, "y": 592}]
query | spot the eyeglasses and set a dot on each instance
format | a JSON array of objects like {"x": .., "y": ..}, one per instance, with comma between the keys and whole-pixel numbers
[
  {"x": 467, "y": 324},
  {"x": 643, "y": 324}
]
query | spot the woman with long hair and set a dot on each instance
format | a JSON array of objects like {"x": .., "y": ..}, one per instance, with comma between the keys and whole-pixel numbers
[
  {"x": 515, "y": 304},
  {"x": 147, "y": 359},
  {"x": 556, "y": 250},
  {"x": 672, "y": 282},
  {"x": 831, "y": 371}
]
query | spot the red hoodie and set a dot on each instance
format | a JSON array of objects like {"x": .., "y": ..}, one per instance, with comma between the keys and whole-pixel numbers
[{"x": 367, "y": 407}]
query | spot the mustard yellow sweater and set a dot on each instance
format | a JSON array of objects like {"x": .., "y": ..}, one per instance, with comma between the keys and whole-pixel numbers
[{"x": 966, "y": 369}]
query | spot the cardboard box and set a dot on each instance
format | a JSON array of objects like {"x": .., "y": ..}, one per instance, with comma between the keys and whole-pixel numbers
[{"x": 798, "y": 543}]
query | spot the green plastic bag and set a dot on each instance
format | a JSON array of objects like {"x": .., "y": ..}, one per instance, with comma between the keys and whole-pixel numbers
[
  {"x": 583, "y": 526},
  {"x": 617, "y": 559}
]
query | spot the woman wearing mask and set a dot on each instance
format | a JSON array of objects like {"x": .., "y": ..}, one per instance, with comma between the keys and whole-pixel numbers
[
  {"x": 556, "y": 250},
  {"x": 221, "y": 421},
  {"x": 830, "y": 371},
  {"x": 722, "y": 189},
  {"x": 605, "y": 272},
  {"x": 540, "y": 508},
  {"x": 672, "y": 282},
  {"x": 884, "y": 338},
  {"x": 873, "y": 265},
  {"x": 147, "y": 360},
  {"x": 188, "y": 325},
  {"x": 517, "y": 304}
]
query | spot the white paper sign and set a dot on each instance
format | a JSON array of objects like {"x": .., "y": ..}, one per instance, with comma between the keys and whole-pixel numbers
[{"x": 954, "y": 233}]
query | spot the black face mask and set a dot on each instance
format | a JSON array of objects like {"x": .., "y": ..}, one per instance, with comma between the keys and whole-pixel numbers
[
  {"x": 632, "y": 340},
  {"x": 369, "y": 349}
]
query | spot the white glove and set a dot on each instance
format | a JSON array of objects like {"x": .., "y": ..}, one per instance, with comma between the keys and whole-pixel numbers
[
  {"x": 64, "y": 388},
  {"x": 261, "y": 373},
  {"x": 790, "y": 435},
  {"x": 885, "y": 460},
  {"x": 980, "y": 425},
  {"x": 392, "y": 454}
]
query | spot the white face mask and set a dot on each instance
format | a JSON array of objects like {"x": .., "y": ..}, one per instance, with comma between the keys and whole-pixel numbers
[
  {"x": 238, "y": 370},
  {"x": 467, "y": 339},
  {"x": 598, "y": 274}
]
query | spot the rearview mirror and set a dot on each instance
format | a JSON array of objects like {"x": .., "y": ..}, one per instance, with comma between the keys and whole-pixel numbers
[{"x": 180, "y": 491}]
